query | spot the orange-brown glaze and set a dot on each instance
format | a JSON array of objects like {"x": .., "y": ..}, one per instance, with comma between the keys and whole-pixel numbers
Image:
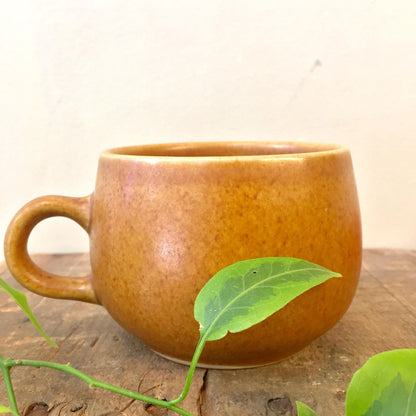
[{"x": 162, "y": 225}]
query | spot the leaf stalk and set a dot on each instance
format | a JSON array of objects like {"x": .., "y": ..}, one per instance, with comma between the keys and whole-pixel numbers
[{"x": 192, "y": 367}]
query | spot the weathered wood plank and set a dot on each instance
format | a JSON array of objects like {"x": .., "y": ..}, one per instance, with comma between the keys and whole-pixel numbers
[
  {"x": 396, "y": 271},
  {"x": 382, "y": 317}
]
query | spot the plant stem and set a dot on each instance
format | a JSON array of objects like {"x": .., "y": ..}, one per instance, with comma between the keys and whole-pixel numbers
[
  {"x": 192, "y": 367},
  {"x": 9, "y": 363},
  {"x": 9, "y": 386}
]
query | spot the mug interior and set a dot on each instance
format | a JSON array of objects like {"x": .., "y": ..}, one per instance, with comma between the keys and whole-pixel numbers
[{"x": 223, "y": 149}]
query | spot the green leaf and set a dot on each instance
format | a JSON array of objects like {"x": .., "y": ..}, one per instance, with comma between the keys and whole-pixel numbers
[
  {"x": 21, "y": 300},
  {"x": 304, "y": 410},
  {"x": 4, "y": 409},
  {"x": 385, "y": 385},
  {"x": 247, "y": 292}
]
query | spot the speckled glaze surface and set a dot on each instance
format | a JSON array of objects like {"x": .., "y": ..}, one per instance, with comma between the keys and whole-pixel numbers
[{"x": 165, "y": 218}]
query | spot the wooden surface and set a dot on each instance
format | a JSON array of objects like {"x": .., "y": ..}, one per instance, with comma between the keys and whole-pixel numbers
[{"x": 382, "y": 317}]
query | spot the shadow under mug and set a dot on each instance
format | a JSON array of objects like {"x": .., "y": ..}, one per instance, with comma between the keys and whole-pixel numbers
[{"x": 165, "y": 218}]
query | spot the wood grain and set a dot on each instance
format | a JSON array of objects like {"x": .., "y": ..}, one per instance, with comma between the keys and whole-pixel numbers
[{"x": 382, "y": 317}]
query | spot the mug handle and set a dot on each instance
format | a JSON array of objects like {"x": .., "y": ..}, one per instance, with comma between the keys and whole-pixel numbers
[{"x": 21, "y": 266}]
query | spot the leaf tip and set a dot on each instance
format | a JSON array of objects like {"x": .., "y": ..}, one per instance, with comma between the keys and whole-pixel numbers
[{"x": 54, "y": 344}]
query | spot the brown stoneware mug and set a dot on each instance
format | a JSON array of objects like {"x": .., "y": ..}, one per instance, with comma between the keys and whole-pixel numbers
[{"x": 165, "y": 218}]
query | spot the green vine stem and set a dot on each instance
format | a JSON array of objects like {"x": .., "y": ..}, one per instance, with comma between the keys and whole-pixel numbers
[
  {"x": 192, "y": 367},
  {"x": 7, "y": 364},
  {"x": 9, "y": 387}
]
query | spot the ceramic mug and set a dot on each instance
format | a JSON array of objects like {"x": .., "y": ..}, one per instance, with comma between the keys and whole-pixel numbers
[{"x": 165, "y": 218}]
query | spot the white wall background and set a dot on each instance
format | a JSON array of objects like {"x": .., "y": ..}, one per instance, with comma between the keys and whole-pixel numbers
[{"x": 80, "y": 76}]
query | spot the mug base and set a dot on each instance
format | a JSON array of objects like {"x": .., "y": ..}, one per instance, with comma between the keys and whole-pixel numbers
[{"x": 212, "y": 366}]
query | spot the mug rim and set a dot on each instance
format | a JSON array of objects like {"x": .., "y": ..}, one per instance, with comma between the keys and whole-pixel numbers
[{"x": 204, "y": 150}]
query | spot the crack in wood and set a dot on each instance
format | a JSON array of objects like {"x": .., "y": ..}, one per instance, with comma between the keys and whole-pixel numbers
[
  {"x": 202, "y": 394},
  {"x": 94, "y": 341},
  {"x": 153, "y": 410}
]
